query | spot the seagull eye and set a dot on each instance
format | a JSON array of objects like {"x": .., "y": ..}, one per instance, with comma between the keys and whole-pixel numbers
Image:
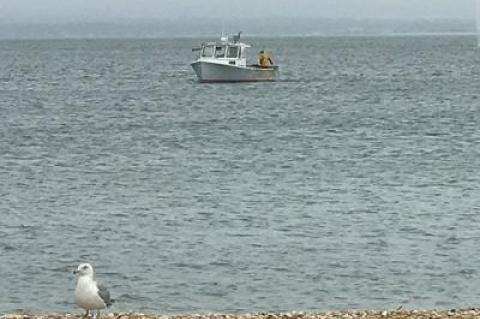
[{"x": 84, "y": 267}]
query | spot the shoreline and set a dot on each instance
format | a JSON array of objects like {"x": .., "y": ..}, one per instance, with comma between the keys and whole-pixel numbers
[{"x": 348, "y": 314}]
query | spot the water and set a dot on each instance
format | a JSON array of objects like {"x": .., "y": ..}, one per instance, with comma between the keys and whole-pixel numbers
[
  {"x": 477, "y": 21},
  {"x": 351, "y": 183}
]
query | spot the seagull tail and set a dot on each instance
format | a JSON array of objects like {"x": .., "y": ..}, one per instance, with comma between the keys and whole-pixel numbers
[{"x": 110, "y": 302}]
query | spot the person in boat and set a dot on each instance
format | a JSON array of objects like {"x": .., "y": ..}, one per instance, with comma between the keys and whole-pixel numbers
[{"x": 264, "y": 59}]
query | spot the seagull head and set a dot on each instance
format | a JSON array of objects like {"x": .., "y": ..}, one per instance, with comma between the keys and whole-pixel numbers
[{"x": 84, "y": 270}]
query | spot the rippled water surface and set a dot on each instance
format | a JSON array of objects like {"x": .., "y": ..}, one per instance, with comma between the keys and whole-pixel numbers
[{"x": 351, "y": 183}]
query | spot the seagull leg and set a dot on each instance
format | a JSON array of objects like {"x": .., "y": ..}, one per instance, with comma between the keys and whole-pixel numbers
[{"x": 87, "y": 314}]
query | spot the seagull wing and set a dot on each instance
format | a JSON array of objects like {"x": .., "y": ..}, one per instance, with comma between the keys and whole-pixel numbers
[{"x": 104, "y": 294}]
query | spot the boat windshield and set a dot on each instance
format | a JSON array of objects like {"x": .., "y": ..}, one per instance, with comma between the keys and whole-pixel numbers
[
  {"x": 219, "y": 51},
  {"x": 207, "y": 51},
  {"x": 232, "y": 52}
]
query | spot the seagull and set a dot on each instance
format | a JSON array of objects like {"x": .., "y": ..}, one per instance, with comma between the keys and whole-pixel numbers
[{"x": 89, "y": 294}]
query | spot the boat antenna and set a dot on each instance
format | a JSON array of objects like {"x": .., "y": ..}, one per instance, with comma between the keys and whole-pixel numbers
[
  {"x": 223, "y": 28},
  {"x": 223, "y": 37}
]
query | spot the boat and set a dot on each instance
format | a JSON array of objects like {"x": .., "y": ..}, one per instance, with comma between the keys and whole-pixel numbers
[{"x": 226, "y": 61}]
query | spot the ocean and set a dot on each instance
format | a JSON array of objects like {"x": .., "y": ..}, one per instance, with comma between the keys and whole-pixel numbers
[{"x": 351, "y": 183}]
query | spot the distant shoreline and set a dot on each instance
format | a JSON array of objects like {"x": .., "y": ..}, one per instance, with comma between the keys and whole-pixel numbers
[
  {"x": 280, "y": 36},
  {"x": 272, "y": 27}
]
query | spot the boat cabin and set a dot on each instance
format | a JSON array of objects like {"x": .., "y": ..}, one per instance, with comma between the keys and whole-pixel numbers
[{"x": 225, "y": 52}]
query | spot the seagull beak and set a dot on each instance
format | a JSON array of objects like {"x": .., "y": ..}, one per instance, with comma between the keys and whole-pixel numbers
[{"x": 75, "y": 271}]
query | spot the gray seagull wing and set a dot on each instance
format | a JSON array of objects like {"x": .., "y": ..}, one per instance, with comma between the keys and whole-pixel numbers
[{"x": 104, "y": 294}]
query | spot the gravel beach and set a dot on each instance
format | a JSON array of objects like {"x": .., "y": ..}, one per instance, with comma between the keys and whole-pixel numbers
[{"x": 360, "y": 314}]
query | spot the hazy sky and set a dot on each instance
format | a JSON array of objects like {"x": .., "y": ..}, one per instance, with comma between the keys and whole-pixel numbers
[{"x": 61, "y": 11}]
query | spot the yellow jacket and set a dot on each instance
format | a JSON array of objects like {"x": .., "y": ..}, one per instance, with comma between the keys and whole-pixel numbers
[{"x": 264, "y": 59}]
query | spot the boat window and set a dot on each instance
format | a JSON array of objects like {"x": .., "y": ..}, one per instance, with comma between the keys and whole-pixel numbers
[
  {"x": 219, "y": 52},
  {"x": 207, "y": 51},
  {"x": 232, "y": 52},
  {"x": 243, "y": 53}
]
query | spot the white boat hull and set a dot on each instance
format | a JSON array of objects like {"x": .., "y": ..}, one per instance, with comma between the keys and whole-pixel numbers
[{"x": 217, "y": 72}]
